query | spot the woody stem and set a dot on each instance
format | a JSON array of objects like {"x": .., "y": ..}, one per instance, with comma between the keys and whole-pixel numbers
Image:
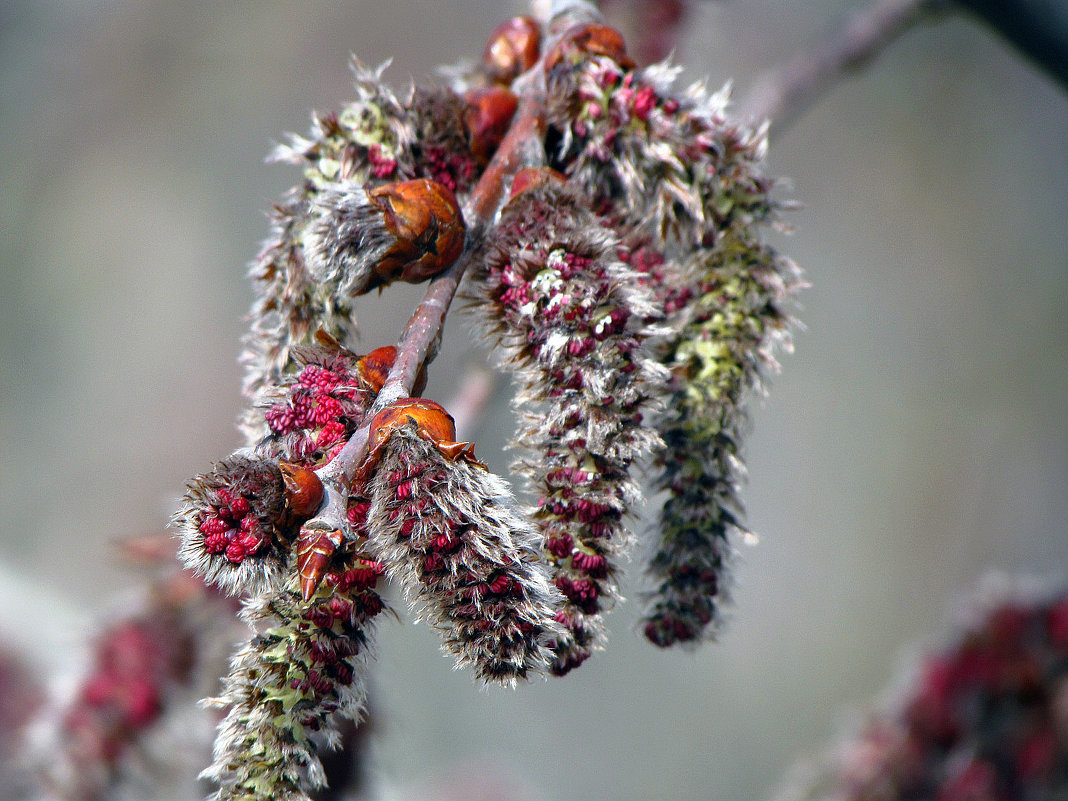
[{"x": 522, "y": 146}]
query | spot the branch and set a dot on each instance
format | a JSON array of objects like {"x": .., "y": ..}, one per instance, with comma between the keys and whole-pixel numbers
[
  {"x": 782, "y": 93},
  {"x": 522, "y": 146},
  {"x": 1038, "y": 28}
]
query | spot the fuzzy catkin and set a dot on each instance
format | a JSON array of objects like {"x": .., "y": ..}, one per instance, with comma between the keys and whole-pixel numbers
[
  {"x": 718, "y": 358},
  {"x": 289, "y": 685},
  {"x": 326, "y": 238},
  {"x": 449, "y": 532},
  {"x": 570, "y": 320},
  {"x": 980, "y": 718},
  {"x": 669, "y": 162},
  {"x": 345, "y": 239},
  {"x": 313, "y": 411},
  {"x": 686, "y": 183}
]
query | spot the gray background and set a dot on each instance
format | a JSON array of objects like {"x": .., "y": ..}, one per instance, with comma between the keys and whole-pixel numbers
[{"x": 915, "y": 440}]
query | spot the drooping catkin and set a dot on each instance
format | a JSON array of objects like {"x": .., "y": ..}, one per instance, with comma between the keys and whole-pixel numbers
[
  {"x": 570, "y": 319},
  {"x": 718, "y": 359},
  {"x": 686, "y": 185},
  {"x": 302, "y": 671},
  {"x": 368, "y": 141},
  {"x": 449, "y": 532}
]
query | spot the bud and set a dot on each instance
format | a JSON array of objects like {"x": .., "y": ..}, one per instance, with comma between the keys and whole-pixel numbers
[
  {"x": 512, "y": 49},
  {"x": 361, "y": 238},
  {"x": 304, "y": 490},
  {"x": 585, "y": 40},
  {"x": 530, "y": 177},
  {"x": 314, "y": 548},
  {"x": 431, "y": 422},
  {"x": 488, "y": 114},
  {"x": 425, "y": 220},
  {"x": 375, "y": 366}
]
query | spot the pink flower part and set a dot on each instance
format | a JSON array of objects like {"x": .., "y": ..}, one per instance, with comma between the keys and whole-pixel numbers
[
  {"x": 357, "y": 515},
  {"x": 593, "y": 564},
  {"x": 560, "y": 545},
  {"x": 318, "y": 378},
  {"x": 644, "y": 102},
  {"x": 331, "y": 434},
  {"x": 381, "y": 166}
]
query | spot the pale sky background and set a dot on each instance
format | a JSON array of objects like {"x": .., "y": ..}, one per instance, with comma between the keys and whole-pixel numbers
[{"x": 916, "y": 439}]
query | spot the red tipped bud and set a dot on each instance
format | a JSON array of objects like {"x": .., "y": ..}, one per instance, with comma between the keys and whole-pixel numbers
[{"x": 315, "y": 548}]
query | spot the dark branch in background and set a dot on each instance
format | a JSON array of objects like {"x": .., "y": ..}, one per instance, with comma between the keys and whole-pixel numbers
[
  {"x": 783, "y": 93},
  {"x": 1038, "y": 28}
]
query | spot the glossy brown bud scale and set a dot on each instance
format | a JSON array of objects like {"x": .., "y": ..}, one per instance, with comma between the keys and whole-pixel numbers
[
  {"x": 531, "y": 177},
  {"x": 512, "y": 49},
  {"x": 304, "y": 490},
  {"x": 375, "y": 366},
  {"x": 432, "y": 422},
  {"x": 429, "y": 228},
  {"x": 585, "y": 40},
  {"x": 315, "y": 548},
  {"x": 374, "y": 369},
  {"x": 487, "y": 116}
]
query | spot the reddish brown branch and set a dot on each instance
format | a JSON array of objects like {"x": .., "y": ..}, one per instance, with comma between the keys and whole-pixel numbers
[{"x": 522, "y": 146}]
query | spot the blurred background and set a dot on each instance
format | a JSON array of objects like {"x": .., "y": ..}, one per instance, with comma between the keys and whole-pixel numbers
[{"x": 916, "y": 439}]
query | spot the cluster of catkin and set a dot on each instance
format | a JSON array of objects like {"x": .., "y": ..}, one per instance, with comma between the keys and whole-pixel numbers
[{"x": 622, "y": 281}]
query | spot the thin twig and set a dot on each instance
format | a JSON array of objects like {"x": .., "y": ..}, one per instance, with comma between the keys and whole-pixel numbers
[
  {"x": 782, "y": 93},
  {"x": 522, "y": 146}
]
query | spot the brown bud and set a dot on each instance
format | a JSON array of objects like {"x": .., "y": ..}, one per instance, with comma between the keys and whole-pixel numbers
[
  {"x": 512, "y": 49},
  {"x": 488, "y": 114},
  {"x": 315, "y": 548},
  {"x": 530, "y": 177},
  {"x": 425, "y": 218},
  {"x": 432, "y": 423},
  {"x": 375, "y": 366},
  {"x": 304, "y": 491},
  {"x": 589, "y": 39}
]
